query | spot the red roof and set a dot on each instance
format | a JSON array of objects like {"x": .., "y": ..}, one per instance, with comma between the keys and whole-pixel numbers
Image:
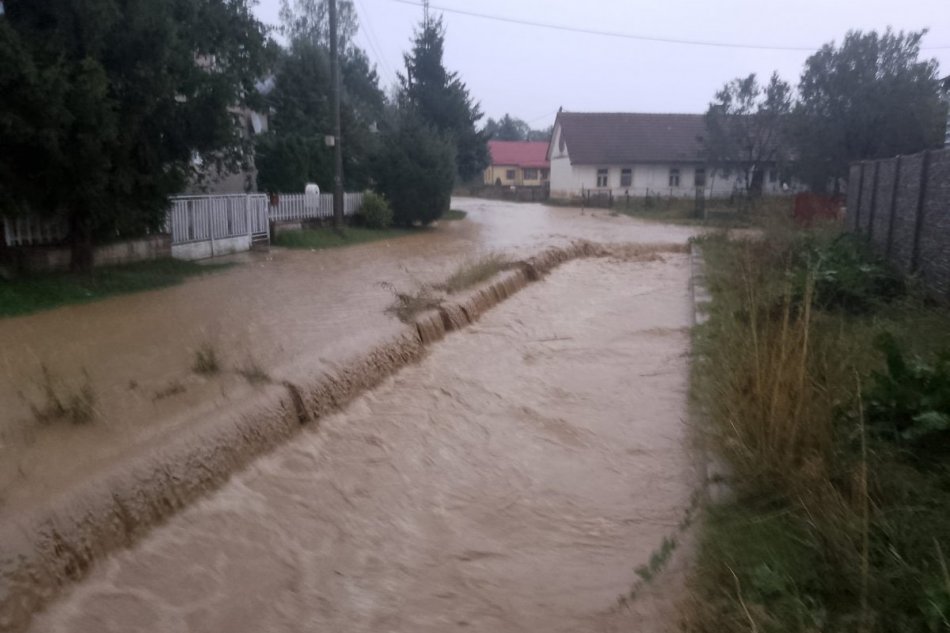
[{"x": 519, "y": 153}]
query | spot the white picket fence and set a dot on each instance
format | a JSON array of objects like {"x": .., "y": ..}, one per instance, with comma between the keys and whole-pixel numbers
[
  {"x": 296, "y": 206},
  {"x": 30, "y": 231},
  {"x": 202, "y": 218}
]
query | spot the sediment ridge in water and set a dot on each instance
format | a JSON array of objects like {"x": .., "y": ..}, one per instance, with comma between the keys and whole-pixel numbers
[{"x": 43, "y": 552}]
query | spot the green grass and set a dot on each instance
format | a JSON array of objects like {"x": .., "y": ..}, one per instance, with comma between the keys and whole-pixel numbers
[
  {"x": 833, "y": 527},
  {"x": 33, "y": 293},
  {"x": 454, "y": 214},
  {"x": 719, "y": 212},
  {"x": 316, "y": 239}
]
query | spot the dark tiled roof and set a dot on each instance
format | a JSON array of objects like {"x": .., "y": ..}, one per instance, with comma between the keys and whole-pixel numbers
[
  {"x": 520, "y": 153},
  {"x": 612, "y": 138}
]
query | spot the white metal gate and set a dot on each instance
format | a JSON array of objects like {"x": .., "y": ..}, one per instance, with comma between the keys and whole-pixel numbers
[{"x": 210, "y": 218}]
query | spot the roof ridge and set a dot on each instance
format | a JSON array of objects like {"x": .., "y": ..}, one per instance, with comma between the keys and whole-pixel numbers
[{"x": 640, "y": 113}]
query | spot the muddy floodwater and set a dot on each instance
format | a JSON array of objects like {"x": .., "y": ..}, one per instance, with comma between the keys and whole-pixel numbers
[
  {"x": 294, "y": 315},
  {"x": 511, "y": 481}
]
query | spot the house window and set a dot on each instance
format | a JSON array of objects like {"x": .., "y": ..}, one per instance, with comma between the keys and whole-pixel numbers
[
  {"x": 626, "y": 177},
  {"x": 601, "y": 177},
  {"x": 510, "y": 174},
  {"x": 674, "y": 177},
  {"x": 699, "y": 180},
  {"x": 530, "y": 174}
]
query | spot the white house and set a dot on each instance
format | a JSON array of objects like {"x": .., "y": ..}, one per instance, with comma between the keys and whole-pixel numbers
[{"x": 637, "y": 154}]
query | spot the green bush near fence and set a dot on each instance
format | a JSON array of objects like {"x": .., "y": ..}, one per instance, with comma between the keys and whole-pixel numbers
[{"x": 375, "y": 212}]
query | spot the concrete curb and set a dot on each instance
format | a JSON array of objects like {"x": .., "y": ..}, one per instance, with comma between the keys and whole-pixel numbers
[{"x": 717, "y": 472}]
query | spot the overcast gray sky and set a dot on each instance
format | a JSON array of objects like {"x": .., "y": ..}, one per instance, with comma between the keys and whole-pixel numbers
[{"x": 530, "y": 72}]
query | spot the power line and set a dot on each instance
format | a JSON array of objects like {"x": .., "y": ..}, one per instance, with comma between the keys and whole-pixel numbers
[
  {"x": 543, "y": 116},
  {"x": 628, "y": 36},
  {"x": 370, "y": 36}
]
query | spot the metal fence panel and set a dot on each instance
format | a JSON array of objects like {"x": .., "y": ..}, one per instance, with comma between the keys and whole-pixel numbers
[
  {"x": 209, "y": 218},
  {"x": 200, "y": 218}
]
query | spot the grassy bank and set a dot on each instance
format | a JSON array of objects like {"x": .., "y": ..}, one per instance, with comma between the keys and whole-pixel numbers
[
  {"x": 33, "y": 293},
  {"x": 826, "y": 380},
  {"x": 453, "y": 214},
  {"x": 329, "y": 238},
  {"x": 718, "y": 212}
]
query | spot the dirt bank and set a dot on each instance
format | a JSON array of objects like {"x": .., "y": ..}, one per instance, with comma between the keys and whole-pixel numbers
[{"x": 509, "y": 481}]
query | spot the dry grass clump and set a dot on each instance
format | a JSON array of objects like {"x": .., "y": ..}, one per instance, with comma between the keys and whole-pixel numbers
[
  {"x": 63, "y": 404},
  {"x": 407, "y": 305},
  {"x": 206, "y": 360},
  {"x": 424, "y": 297},
  {"x": 252, "y": 372},
  {"x": 171, "y": 389},
  {"x": 475, "y": 271}
]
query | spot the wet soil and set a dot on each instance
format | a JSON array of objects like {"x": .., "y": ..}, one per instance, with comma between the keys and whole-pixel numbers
[{"x": 510, "y": 481}]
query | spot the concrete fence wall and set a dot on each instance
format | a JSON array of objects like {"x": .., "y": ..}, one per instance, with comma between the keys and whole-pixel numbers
[{"x": 902, "y": 206}]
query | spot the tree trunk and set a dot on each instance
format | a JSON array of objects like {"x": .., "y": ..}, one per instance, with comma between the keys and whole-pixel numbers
[
  {"x": 80, "y": 243},
  {"x": 758, "y": 180}
]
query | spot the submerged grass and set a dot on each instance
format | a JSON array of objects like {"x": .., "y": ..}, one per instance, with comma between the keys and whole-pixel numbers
[
  {"x": 252, "y": 372},
  {"x": 832, "y": 528},
  {"x": 33, "y": 293},
  {"x": 475, "y": 271},
  {"x": 61, "y": 403},
  {"x": 316, "y": 239},
  {"x": 206, "y": 360},
  {"x": 406, "y": 306}
]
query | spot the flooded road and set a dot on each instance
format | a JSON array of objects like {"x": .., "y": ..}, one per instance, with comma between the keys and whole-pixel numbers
[
  {"x": 511, "y": 481},
  {"x": 292, "y": 314}
]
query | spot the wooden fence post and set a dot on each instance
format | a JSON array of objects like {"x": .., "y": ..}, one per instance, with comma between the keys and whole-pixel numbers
[
  {"x": 893, "y": 212},
  {"x": 921, "y": 201}
]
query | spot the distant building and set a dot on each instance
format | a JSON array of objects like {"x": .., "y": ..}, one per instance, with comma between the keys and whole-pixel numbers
[
  {"x": 517, "y": 163},
  {"x": 637, "y": 154},
  {"x": 216, "y": 179}
]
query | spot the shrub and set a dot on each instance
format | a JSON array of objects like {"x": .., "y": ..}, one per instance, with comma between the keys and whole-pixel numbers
[
  {"x": 846, "y": 274},
  {"x": 910, "y": 400},
  {"x": 375, "y": 212},
  {"x": 415, "y": 170}
]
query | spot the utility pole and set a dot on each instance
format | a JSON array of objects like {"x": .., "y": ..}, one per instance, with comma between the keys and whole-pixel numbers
[{"x": 337, "y": 135}]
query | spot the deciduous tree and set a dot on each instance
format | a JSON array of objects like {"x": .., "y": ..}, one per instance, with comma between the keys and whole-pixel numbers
[
  {"x": 870, "y": 97},
  {"x": 745, "y": 128}
]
